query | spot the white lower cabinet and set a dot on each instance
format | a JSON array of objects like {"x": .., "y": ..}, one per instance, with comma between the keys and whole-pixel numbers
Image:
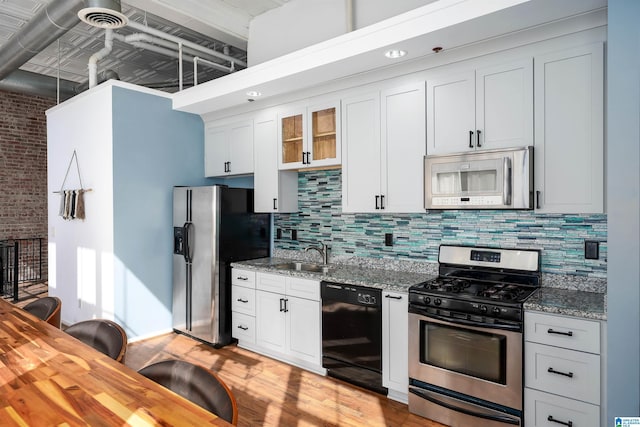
[
  {"x": 562, "y": 371},
  {"x": 243, "y": 305},
  {"x": 286, "y": 321},
  {"x": 395, "y": 325}
]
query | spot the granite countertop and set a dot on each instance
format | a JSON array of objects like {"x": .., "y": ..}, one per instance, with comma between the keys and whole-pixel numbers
[
  {"x": 571, "y": 302},
  {"x": 391, "y": 280},
  {"x": 560, "y": 294}
]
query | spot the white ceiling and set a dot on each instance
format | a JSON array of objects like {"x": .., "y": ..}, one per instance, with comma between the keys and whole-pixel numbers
[{"x": 210, "y": 23}]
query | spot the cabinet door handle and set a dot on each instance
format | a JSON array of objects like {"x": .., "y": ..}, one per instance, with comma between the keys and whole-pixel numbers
[
  {"x": 228, "y": 166},
  {"x": 553, "y": 420},
  {"x": 566, "y": 374},
  {"x": 281, "y": 305},
  {"x": 377, "y": 199},
  {"x": 286, "y": 305},
  {"x": 537, "y": 199},
  {"x": 244, "y": 328},
  {"x": 551, "y": 331},
  {"x": 275, "y": 204},
  {"x": 382, "y": 201},
  {"x": 478, "y": 138},
  {"x": 470, "y": 139},
  {"x": 243, "y": 300},
  {"x": 308, "y": 157},
  {"x": 242, "y": 278},
  {"x": 393, "y": 296}
]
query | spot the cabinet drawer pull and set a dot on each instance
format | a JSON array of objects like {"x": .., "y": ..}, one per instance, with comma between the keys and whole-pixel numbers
[
  {"x": 243, "y": 300},
  {"x": 242, "y": 278},
  {"x": 553, "y": 420},
  {"x": 393, "y": 296},
  {"x": 470, "y": 139},
  {"x": 566, "y": 374},
  {"x": 551, "y": 331},
  {"x": 244, "y": 328}
]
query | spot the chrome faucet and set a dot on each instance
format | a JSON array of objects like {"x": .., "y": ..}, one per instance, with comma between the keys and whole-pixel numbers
[{"x": 323, "y": 250}]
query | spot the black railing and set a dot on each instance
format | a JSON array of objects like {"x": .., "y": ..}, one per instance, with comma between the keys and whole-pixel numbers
[{"x": 20, "y": 262}]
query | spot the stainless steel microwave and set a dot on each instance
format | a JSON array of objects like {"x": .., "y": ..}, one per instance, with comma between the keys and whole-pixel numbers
[{"x": 488, "y": 179}]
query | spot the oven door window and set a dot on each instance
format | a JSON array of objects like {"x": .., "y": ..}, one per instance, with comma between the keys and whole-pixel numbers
[{"x": 477, "y": 354}]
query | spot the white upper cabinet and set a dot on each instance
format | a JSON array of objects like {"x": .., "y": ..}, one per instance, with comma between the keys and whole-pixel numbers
[
  {"x": 487, "y": 108},
  {"x": 309, "y": 137},
  {"x": 274, "y": 190},
  {"x": 228, "y": 149},
  {"x": 569, "y": 142},
  {"x": 383, "y": 150}
]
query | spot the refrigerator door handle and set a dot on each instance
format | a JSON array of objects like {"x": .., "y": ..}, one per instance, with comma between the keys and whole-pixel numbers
[{"x": 188, "y": 250}]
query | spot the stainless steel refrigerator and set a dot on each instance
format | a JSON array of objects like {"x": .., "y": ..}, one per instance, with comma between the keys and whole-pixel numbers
[{"x": 213, "y": 226}]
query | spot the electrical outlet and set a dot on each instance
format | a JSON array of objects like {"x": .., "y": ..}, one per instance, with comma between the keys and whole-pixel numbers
[
  {"x": 294, "y": 234},
  {"x": 591, "y": 249},
  {"x": 279, "y": 233},
  {"x": 388, "y": 239}
]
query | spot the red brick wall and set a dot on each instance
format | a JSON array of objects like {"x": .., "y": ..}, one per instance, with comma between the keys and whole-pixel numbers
[{"x": 23, "y": 167}]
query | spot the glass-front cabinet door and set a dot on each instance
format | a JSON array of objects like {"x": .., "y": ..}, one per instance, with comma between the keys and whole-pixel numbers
[{"x": 310, "y": 137}]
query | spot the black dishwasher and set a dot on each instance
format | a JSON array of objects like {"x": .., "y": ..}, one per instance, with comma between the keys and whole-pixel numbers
[{"x": 352, "y": 334}]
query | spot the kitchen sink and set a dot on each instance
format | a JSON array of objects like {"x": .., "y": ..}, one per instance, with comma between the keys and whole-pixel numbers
[{"x": 303, "y": 266}]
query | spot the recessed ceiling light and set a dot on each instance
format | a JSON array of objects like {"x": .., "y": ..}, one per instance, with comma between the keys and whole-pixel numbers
[
  {"x": 253, "y": 93},
  {"x": 395, "y": 53}
]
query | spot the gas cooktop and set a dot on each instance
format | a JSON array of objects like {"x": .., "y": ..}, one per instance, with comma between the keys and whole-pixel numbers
[{"x": 470, "y": 289}]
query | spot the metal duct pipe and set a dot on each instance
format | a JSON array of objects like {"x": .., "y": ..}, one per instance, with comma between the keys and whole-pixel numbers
[
  {"x": 48, "y": 25},
  {"x": 37, "y": 84}
]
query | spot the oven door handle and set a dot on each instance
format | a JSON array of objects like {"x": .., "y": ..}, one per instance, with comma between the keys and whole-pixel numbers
[
  {"x": 473, "y": 323},
  {"x": 499, "y": 418}
]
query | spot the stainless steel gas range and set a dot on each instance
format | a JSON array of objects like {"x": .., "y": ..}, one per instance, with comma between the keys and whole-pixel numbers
[{"x": 465, "y": 336}]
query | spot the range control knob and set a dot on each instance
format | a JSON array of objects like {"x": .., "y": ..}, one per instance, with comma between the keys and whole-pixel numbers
[
  {"x": 427, "y": 300},
  {"x": 483, "y": 309},
  {"x": 496, "y": 311},
  {"x": 437, "y": 301}
]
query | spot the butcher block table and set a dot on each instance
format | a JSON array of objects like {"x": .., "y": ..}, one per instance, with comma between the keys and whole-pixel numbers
[{"x": 48, "y": 378}]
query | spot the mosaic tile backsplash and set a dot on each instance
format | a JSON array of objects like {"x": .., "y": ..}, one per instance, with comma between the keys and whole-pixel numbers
[{"x": 416, "y": 237}]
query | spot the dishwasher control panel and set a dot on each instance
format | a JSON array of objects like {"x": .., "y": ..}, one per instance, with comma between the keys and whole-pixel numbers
[{"x": 366, "y": 298}]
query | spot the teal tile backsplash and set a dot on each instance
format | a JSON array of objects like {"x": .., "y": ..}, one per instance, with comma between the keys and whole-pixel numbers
[{"x": 417, "y": 236}]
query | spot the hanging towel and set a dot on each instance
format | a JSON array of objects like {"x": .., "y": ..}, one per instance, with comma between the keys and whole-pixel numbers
[
  {"x": 72, "y": 209},
  {"x": 67, "y": 204},
  {"x": 61, "y": 210},
  {"x": 79, "y": 204}
]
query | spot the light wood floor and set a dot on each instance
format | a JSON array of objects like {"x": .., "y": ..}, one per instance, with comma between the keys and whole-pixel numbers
[{"x": 271, "y": 393}]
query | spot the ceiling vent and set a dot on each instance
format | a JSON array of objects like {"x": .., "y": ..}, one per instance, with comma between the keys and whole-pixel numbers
[{"x": 103, "y": 14}]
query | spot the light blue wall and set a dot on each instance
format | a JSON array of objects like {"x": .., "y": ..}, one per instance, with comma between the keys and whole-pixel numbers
[
  {"x": 623, "y": 141},
  {"x": 154, "y": 148}
]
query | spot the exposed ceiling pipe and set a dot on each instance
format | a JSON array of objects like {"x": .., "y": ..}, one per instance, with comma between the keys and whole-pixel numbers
[
  {"x": 93, "y": 60},
  {"x": 349, "y": 15},
  {"x": 37, "y": 84},
  {"x": 185, "y": 43},
  {"x": 154, "y": 44},
  {"x": 102, "y": 76},
  {"x": 54, "y": 20}
]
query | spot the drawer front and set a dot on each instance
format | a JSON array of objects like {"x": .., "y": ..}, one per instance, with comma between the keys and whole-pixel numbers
[
  {"x": 564, "y": 372},
  {"x": 243, "y": 300},
  {"x": 245, "y": 278},
  {"x": 548, "y": 410},
  {"x": 303, "y": 288},
  {"x": 243, "y": 328},
  {"x": 560, "y": 331},
  {"x": 270, "y": 282}
]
